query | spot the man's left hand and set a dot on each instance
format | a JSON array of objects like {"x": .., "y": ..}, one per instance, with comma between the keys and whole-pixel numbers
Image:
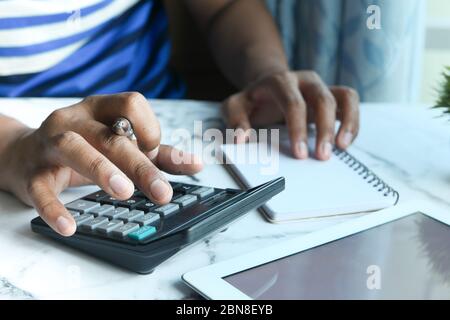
[{"x": 298, "y": 98}]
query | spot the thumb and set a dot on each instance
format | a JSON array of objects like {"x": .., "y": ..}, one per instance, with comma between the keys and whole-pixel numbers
[{"x": 51, "y": 210}]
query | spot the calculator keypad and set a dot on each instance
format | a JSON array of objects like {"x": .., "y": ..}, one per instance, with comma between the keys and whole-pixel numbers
[
  {"x": 137, "y": 218},
  {"x": 167, "y": 209},
  {"x": 131, "y": 203},
  {"x": 203, "y": 192},
  {"x": 99, "y": 211},
  {"x": 74, "y": 213},
  {"x": 82, "y": 206},
  {"x": 83, "y": 218},
  {"x": 146, "y": 206},
  {"x": 94, "y": 223},
  {"x": 116, "y": 213},
  {"x": 125, "y": 229},
  {"x": 131, "y": 215},
  {"x": 142, "y": 233},
  {"x": 109, "y": 226},
  {"x": 109, "y": 200},
  {"x": 96, "y": 196},
  {"x": 149, "y": 218},
  {"x": 185, "y": 200}
]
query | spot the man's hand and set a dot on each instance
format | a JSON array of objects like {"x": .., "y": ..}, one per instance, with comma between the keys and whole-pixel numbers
[
  {"x": 298, "y": 98},
  {"x": 75, "y": 146}
]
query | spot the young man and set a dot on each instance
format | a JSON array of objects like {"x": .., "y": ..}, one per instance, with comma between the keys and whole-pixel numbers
[{"x": 112, "y": 46}]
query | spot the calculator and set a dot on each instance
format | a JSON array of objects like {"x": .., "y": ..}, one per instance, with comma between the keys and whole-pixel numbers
[{"x": 138, "y": 235}]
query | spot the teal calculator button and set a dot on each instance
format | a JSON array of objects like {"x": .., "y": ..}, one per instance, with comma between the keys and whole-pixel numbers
[{"x": 142, "y": 233}]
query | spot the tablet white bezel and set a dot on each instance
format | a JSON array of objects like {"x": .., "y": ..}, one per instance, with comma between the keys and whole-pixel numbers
[{"x": 209, "y": 281}]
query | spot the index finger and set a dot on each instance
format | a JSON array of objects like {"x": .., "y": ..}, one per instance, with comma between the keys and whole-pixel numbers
[
  {"x": 47, "y": 204},
  {"x": 124, "y": 154}
]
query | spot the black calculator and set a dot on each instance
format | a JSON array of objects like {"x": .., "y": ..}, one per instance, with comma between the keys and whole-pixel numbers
[{"x": 138, "y": 235}]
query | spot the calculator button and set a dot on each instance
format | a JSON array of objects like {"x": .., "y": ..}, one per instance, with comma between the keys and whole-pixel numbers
[
  {"x": 100, "y": 211},
  {"x": 74, "y": 213},
  {"x": 146, "y": 206},
  {"x": 175, "y": 185},
  {"x": 142, "y": 233},
  {"x": 109, "y": 200},
  {"x": 129, "y": 216},
  {"x": 94, "y": 223},
  {"x": 83, "y": 218},
  {"x": 185, "y": 200},
  {"x": 184, "y": 188},
  {"x": 131, "y": 203},
  {"x": 96, "y": 196},
  {"x": 139, "y": 194},
  {"x": 116, "y": 213},
  {"x": 149, "y": 218},
  {"x": 122, "y": 231},
  {"x": 177, "y": 194},
  {"x": 167, "y": 209},
  {"x": 82, "y": 206},
  {"x": 109, "y": 226},
  {"x": 203, "y": 192}
]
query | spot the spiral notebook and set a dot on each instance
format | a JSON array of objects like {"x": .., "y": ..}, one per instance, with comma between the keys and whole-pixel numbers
[{"x": 314, "y": 189}]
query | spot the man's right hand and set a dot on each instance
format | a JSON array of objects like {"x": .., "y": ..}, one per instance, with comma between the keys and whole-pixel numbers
[{"x": 76, "y": 146}]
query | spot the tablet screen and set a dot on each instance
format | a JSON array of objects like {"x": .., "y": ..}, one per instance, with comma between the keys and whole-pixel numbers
[{"x": 404, "y": 259}]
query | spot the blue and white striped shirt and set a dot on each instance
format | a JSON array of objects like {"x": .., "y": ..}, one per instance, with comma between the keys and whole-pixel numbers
[{"x": 77, "y": 48}]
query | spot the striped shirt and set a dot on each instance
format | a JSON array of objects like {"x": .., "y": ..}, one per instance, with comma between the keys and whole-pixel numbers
[{"x": 77, "y": 48}]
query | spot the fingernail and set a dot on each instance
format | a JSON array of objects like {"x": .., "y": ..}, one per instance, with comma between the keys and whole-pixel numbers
[
  {"x": 326, "y": 149},
  {"x": 347, "y": 139},
  {"x": 196, "y": 160},
  {"x": 153, "y": 154},
  {"x": 64, "y": 226},
  {"x": 303, "y": 150},
  {"x": 241, "y": 136},
  {"x": 120, "y": 185},
  {"x": 189, "y": 158},
  {"x": 159, "y": 189}
]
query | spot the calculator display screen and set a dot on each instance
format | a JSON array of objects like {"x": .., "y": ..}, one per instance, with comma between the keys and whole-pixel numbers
[{"x": 405, "y": 259}]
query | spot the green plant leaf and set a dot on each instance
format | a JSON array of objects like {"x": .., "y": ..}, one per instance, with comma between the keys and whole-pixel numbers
[{"x": 443, "y": 101}]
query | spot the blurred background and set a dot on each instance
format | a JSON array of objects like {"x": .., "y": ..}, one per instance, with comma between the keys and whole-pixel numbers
[
  {"x": 401, "y": 62},
  {"x": 437, "y": 49}
]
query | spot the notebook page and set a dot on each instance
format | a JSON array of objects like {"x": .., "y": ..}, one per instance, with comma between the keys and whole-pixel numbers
[{"x": 313, "y": 188}]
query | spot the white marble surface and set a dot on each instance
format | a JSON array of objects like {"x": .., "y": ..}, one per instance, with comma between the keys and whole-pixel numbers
[{"x": 408, "y": 146}]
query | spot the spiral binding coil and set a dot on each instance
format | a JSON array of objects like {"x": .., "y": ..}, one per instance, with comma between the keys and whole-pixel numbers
[{"x": 366, "y": 174}]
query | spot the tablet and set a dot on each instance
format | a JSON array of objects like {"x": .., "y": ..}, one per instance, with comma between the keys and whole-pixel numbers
[{"x": 400, "y": 253}]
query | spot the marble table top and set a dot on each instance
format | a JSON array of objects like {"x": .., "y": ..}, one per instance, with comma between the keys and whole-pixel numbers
[{"x": 408, "y": 146}]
